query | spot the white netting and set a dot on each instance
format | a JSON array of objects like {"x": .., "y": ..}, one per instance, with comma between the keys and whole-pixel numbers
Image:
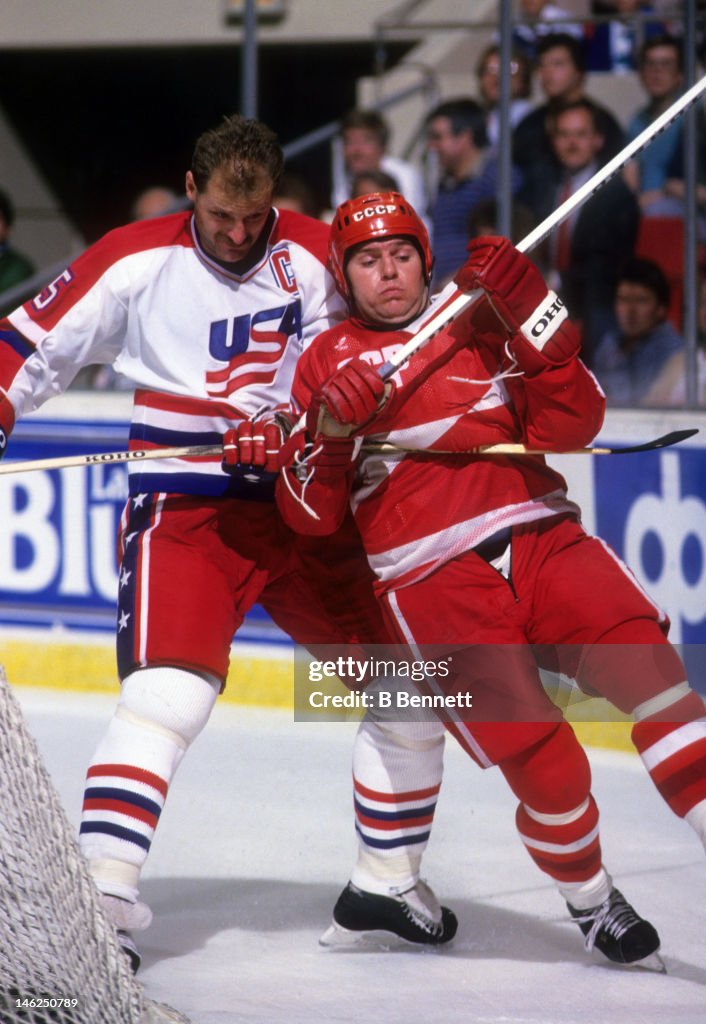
[{"x": 59, "y": 959}]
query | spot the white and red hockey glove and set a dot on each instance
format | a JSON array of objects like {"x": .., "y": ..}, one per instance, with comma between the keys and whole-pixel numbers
[
  {"x": 255, "y": 444},
  {"x": 7, "y": 422},
  {"x": 534, "y": 316},
  {"x": 352, "y": 396}
]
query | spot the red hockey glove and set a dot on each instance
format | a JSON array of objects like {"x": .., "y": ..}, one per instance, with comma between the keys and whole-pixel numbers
[
  {"x": 329, "y": 457},
  {"x": 519, "y": 295},
  {"x": 7, "y": 422},
  {"x": 332, "y": 457},
  {"x": 565, "y": 343},
  {"x": 255, "y": 444},
  {"x": 352, "y": 396}
]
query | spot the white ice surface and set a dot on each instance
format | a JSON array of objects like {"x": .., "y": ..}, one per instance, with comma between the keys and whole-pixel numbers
[{"x": 257, "y": 840}]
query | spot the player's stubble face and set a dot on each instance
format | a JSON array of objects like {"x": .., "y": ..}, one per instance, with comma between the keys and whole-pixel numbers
[
  {"x": 387, "y": 282},
  {"x": 228, "y": 223}
]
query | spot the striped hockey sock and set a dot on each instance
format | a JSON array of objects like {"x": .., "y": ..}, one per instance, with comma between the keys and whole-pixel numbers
[
  {"x": 160, "y": 713},
  {"x": 565, "y": 846},
  {"x": 126, "y": 787},
  {"x": 397, "y": 773},
  {"x": 674, "y": 752}
]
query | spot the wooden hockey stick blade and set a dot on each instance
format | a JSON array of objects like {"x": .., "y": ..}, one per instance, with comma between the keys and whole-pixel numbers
[
  {"x": 461, "y": 300},
  {"x": 106, "y": 458},
  {"x": 666, "y": 441}
]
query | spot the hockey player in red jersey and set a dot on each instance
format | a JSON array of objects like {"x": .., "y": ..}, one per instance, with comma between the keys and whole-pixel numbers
[
  {"x": 487, "y": 552},
  {"x": 208, "y": 315}
]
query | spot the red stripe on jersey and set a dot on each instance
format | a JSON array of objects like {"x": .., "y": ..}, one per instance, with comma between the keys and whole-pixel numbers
[
  {"x": 309, "y": 233},
  {"x": 243, "y": 380},
  {"x": 395, "y": 798},
  {"x": 121, "y": 807},
  {"x": 89, "y": 267},
  {"x": 10, "y": 363},
  {"x": 257, "y": 355},
  {"x": 127, "y": 771},
  {"x": 182, "y": 404}
]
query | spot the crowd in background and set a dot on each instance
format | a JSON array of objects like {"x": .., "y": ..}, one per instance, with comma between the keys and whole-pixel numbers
[{"x": 617, "y": 261}]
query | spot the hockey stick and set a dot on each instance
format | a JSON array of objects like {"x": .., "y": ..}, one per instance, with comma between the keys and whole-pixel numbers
[
  {"x": 105, "y": 458},
  {"x": 201, "y": 450},
  {"x": 666, "y": 441},
  {"x": 462, "y": 300}
]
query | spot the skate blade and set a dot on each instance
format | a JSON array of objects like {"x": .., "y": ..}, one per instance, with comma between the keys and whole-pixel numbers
[
  {"x": 338, "y": 937},
  {"x": 653, "y": 963}
]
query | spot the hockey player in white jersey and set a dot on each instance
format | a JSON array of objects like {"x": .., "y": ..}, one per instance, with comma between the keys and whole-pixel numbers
[{"x": 207, "y": 314}]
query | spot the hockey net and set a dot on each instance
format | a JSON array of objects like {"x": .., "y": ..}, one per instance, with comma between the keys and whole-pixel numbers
[{"x": 59, "y": 958}]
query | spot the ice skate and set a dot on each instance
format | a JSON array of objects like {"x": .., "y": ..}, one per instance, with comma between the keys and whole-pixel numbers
[
  {"x": 127, "y": 944},
  {"x": 127, "y": 916},
  {"x": 414, "y": 916},
  {"x": 619, "y": 933}
]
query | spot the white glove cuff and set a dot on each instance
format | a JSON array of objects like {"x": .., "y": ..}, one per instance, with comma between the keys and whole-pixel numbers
[{"x": 545, "y": 321}]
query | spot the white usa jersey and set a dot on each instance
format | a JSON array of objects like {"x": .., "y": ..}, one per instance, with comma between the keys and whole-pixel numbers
[{"x": 205, "y": 347}]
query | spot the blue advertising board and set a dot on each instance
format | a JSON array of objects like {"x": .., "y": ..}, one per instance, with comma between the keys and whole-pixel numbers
[{"x": 651, "y": 509}]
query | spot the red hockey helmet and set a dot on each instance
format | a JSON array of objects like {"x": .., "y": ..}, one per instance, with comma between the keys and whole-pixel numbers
[{"x": 376, "y": 215}]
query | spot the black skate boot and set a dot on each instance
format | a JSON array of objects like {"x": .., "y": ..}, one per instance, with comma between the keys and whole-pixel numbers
[
  {"x": 127, "y": 944},
  {"x": 619, "y": 932},
  {"x": 414, "y": 916}
]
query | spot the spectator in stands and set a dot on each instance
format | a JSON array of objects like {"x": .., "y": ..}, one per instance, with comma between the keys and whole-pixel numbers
[
  {"x": 629, "y": 360},
  {"x": 155, "y": 202},
  {"x": 364, "y": 139},
  {"x": 295, "y": 193},
  {"x": 468, "y": 174},
  {"x": 535, "y": 19},
  {"x": 373, "y": 181},
  {"x": 483, "y": 220},
  {"x": 674, "y": 186},
  {"x": 15, "y": 267},
  {"x": 669, "y": 389},
  {"x": 488, "y": 75},
  {"x": 661, "y": 74},
  {"x": 561, "y": 73},
  {"x": 613, "y": 45},
  {"x": 585, "y": 251}
]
